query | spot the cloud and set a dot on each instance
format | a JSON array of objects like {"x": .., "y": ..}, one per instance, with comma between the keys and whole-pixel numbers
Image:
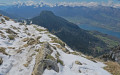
[{"x": 73, "y": 4}]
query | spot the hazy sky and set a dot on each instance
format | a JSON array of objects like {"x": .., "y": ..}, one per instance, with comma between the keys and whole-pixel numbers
[{"x": 56, "y": 1}]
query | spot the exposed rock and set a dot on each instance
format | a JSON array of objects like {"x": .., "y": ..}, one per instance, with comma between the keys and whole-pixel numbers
[
  {"x": 1, "y": 61},
  {"x": 51, "y": 64},
  {"x": 42, "y": 63},
  {"x": 114, "y": 55},
  {"x": 79, "y": 71},
  {"x": 78, "y": 63},
  {"x": 26, "y": 28}
]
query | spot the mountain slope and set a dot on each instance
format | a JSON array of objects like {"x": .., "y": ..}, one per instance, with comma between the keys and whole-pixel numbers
[
  {"x": 105, "y": 17},
  {"x": 32, "y": 50},
  {"x": 76, "y": 38},
  {"x": 6, "y": 14}
]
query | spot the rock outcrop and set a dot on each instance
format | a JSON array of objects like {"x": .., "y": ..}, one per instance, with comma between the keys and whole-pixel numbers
[
  {"x": 42, "y": 63},
  {"x": 114, "y": 55}
]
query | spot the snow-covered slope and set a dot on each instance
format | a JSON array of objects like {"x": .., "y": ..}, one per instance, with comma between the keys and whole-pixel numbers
[{"x": 23, "y": 47}]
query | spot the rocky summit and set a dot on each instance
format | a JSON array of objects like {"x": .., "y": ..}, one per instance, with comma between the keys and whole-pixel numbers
[{"x": 32, "y": 50}]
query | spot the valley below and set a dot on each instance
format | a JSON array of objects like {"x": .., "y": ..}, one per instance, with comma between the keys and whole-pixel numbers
[{"x": 99, "y": 29}]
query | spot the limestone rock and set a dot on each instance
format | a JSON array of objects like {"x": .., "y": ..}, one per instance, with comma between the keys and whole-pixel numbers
[
  {"x": 41, "y": 63},
  {"x": 51, "y": 64}
]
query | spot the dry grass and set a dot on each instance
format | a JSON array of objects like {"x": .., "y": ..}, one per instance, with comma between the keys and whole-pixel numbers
[
  {"x": 74, "y": 53},
  {"x": 60, "y": 61},
  {"x": 2, "y": 35},
  {"x": 50, "y": 57},
  {"x": 11, "y": 37},
  {"x": 2, "y": 50},
  {"x": 6, "y": 18},
  {"x": 28, "y": 62},
  {"x": 56, "y": 40},
  {"x": 25, "y": 39},
  {"x": 38, "y": 29},
  {"x": 25, "y": 45},
  {"x": 112, "y": 67}
]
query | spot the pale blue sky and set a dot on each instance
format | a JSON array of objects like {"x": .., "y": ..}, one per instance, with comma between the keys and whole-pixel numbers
[{"x": 56, "y": 1}]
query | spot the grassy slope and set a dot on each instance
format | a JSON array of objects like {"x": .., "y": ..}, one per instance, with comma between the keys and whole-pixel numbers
[
  {"x": 112, "y": 67},
  {"x": 109, "y": 40}
]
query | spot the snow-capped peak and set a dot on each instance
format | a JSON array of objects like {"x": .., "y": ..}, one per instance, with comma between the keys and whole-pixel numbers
[
  {"x": 32, "y": 3},
  {"x": 71, "y": 4}
]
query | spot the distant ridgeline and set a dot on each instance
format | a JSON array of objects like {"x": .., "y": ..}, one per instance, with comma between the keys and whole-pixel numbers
[{"x": 101, "y": 16}]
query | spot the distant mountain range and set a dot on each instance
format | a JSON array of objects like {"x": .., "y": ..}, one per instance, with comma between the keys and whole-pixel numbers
[
  {"x": 75, "y": 37},
  {"x": 9, "y": 15},
  {"x": 101, "y": 16}
]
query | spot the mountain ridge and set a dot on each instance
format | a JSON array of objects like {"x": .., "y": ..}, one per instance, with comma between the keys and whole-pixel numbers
[
  {"x": 32, "y": 50},
  {"x": 68, "y": 32}
]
